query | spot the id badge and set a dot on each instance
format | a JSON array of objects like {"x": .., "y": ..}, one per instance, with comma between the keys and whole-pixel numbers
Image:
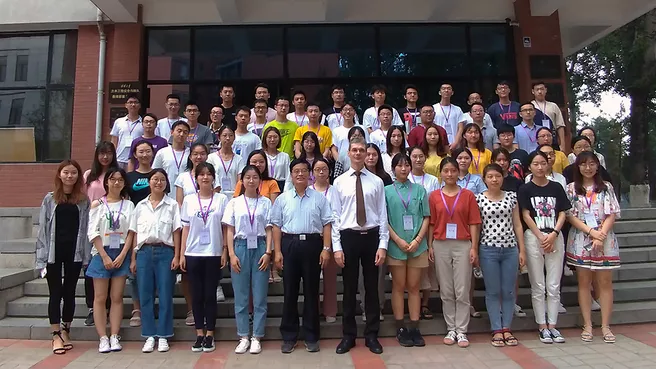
[
  {"x": 408, "y": 224},
  {"x": 590, "y": 220},
  {"x": 251, "y": 242},
  {"x": 546, "y": 123},
  {"x": 205, "y": 237},
  {"x": 451, "y": 231},
  {"x": 225, "y": 184},
  {"x": 114, "y": 240}
]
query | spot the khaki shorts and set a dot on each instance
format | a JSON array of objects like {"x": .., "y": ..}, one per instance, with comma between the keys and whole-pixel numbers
[{"x": 419, "y": 261}]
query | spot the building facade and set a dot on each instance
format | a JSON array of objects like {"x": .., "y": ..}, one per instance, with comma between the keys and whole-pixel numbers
[{"x": 49, "y": 59}]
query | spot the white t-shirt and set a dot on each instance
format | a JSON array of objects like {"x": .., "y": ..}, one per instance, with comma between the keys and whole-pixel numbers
[
  {"x": 237, "y": 215},
  {"x": 428, "y": 181},
  {"x": 126, "y": 131},
  {"x": 164, "y": 125},
  {"x": 227, "y": 172},
  {"x": 340, "y": 140},
  {"x": 256, "y": 128},
  {"x": 278, "y": 166},
  {"x": 387, "y": 164},
  {"x": 370, "y": 118},
  {"x": 245, "y": 144},
  {"x": 448, "y": 117},
  {"x": 188, "y": 183},
  {"x": 191, "y": 216},
  {"x": 379, "y": 137},
  {"x": 300, "y": 120},
  {"x": 99, "y": 222},
  {"x": 173, "y": 162}
]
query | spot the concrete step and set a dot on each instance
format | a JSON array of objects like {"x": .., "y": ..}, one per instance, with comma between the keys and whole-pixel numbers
[
  {"x": 18, "y": 246},
  {"x": 637, "y": 213},
  {"x": 639, "y": 254},
  {"x": 37, "y": 306},
  {"x": 628, "y": 240},
  {"x": 635, "y": 226},
  {"x": 39, "y": 328}
]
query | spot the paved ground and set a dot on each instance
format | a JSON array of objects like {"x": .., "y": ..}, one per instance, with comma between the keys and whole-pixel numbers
[{"x": 635, "y": 348}]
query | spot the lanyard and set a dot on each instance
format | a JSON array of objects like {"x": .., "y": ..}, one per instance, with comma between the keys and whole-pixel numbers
[
  {"x": 413, "y": 115},
  {"x": 175, "y": 158},
  {"x": 193, "y": 182},
  {"x": 590, "y": 200},
  {"x": 529, "y": 135},
  {"x": 338, "y": 116},
  {"x": 543, "y": 108},
  {"x": 446, "y": 116},
  {"x": 134, "y": 125},
  {"x": 325, "y": 193},
  {"x": 446, "y": 207},
  {"x": 423, "y": 178},
  {"x": 272, "y": 166},
  {"x": 503, "y": 112},
  {"x": 114, "y": 224},
  {"x": 468, "y": 178},
  {"x": 407, "y": 202},
  {"x": 229, "y": 165},
  {"x": 168, "y": 121},
  {"x": 205, "y": 214},
  {"x": 476, "y": 163},
  {"x": 296, "y": 119},
  {"x": 251, "y": 217}
]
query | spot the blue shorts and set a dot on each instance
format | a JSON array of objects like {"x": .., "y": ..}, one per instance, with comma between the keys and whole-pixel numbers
[{"x": 97, "y": 269}]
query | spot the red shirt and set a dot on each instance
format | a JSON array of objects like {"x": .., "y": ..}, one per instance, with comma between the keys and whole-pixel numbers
[
  {"x": 465, "y": 214},
  {"x": 416, "y": 136}
]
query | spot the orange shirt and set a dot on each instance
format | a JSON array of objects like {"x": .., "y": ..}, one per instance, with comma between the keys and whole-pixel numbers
[
  {"x": 465, "y": 214},
  {"x": 267, "y": 187}
]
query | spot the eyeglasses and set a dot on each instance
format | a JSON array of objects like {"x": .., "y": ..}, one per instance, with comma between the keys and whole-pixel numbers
[
  {"x": 116, "y": 180},
  {"x": 158, "y": 180},
  {"x": 300, "y": 171},
  {"x": 321, "y": 170},
  {"x": 588, "y": 165},
  {"x": 529, "y": 110},
  {"x": 132, "y": 103},
  {"x": 545, "y": 135}
]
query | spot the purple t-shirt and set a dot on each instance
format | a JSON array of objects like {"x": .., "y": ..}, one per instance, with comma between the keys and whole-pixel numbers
[{"x": 157, "y": 142}]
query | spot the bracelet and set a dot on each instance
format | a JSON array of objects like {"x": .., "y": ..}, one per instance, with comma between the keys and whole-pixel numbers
[{"x": 268, "y": 253}]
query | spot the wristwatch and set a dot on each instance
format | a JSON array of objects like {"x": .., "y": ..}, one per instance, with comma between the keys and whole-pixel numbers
[
  {"x": 557, "y": 232},
  {"x": 327, "y": 248}
]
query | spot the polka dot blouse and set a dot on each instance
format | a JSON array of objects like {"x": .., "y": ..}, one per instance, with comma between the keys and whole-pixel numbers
[{"x": 497, "y": 228}]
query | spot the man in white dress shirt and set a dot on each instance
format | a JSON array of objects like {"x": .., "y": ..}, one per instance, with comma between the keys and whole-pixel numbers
[
  {"x": 449, "y": 116},
  {"x": 360, "y": 236}
]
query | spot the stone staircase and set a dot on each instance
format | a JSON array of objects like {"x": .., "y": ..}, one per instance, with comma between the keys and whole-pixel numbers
[{"x": 24, "y": 300}]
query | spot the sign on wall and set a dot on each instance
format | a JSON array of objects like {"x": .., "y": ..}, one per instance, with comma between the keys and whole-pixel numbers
[
  {"x": 115, "y": 113},
  {"x": 119, "y": 91}
]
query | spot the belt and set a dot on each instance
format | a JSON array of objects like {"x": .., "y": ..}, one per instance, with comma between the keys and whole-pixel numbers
[
  {"x": 361, "y": 231},
  {"x": 302, "y": 236}
]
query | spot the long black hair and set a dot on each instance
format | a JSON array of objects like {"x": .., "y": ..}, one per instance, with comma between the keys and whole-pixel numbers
[
  {"x": 388, "y": 139},
  {"x": 190, "y": 164},
  {"x": 167, "y": 189},
  {"x": 480, "y": 145},
  {"x": 317, "y": 150},
  {"x": 199, "y": 170},
  {"x": 265, "y": 174},
  {"x": 380, "y": 171},
  {"x": 243, "y": 173},
  {"x": 103, "y": 147},
  {"x": 599, "y": 184},
  {"x": 110, "y": 172}
]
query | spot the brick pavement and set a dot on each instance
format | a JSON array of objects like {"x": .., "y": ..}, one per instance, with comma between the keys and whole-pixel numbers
[{"x": 635, "y": 348}]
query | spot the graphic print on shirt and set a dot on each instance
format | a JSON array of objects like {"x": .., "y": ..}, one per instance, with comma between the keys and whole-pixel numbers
[
  {"x": 545, "y": 211},
  {"x": 113, "y": 220},
  {"x": 140, "y": 184},
  {"x": 204, "y": 212}
]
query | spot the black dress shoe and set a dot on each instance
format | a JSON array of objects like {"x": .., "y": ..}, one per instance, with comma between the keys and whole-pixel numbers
[
  {"x": 345, "y": 345},
  {"x": 374, "y": 345}
]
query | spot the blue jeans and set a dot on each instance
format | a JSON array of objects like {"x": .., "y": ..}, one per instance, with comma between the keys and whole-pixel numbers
[
  {"x": 499, "y": 266},
  {"x": 155, "y": 275},
  {"x": 250, "y": 279}
]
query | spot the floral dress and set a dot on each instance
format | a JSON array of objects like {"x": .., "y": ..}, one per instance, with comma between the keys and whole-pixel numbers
[{"x": 579, "y": 245}]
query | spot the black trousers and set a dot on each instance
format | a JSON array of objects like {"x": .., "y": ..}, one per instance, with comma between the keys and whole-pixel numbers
[
  {"x": 204, "y": 274},
  {"x": 360, "y": 248},
  {"x": 301, "y": 261},
  {"x": 64, "y": 255}
]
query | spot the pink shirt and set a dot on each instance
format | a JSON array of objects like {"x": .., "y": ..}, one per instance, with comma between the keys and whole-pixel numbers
[{"x": 95, "y": 190}]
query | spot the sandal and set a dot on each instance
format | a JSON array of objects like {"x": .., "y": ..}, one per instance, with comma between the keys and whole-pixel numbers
[
  {"x": 135, "y": 320},
  {"x": 509, "y": 339},
  {"x": 586, "y": 335},
  {"x": 57, "y": 350},
  {"x": 609, "y": 337},
  {"x": 66, "y": 336},
  {"x": 496, "y": 340},
  {"x": 276, "y": 277},
  {"x": 426, "y": 314},
  {"x": 473, "y": 313}
]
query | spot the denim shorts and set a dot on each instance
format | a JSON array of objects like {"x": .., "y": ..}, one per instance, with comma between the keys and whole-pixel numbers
[{"x": 97, "y": 269}]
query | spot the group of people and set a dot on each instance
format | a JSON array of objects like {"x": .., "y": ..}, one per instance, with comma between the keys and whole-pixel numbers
[{"x": 433, "y": 198}]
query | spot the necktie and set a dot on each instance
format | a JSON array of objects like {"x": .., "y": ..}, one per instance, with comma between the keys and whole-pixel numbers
[{"x": 361, "y": 215}]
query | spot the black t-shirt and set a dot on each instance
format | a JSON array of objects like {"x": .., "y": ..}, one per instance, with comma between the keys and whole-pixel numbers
[
  {"x": 138, "y": 187},
  {"x": 411, "y": 117},
  {"x": 568, "y": 173},
  {"x": 510, "y": 183},
  {"x": 544, "y": 203},
  {"x": 67, "y": 225},
  {"x": 229, "y": 116}
]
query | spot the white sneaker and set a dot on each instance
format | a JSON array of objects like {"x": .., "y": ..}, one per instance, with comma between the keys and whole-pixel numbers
[
  {"x": 364, "y": 317},
  {"x": 567, "y": 272},
  {"x": 163, "y": 345},
  {"x": 321, "y": 275},
  {"x": 556, "y": 336},
  {"x": 595, "y": 305},
  {"x": 178, "y": 278},
  {"x": 478, "y": 273},
  {"x": 381, "y": 317},
  {"x": 256, "y": 347},
  {"x": 242, "y": 347},
  {"x": 561, "y": 309},
  {"x": 519, "y": 312},
  {"x": 114, "y": 343},
  {"x": 219, "y": 294},
  {"x": 331, "y": 319},
  {"x": 149, "y": 346},
  {"x": 103, "y": 347}
]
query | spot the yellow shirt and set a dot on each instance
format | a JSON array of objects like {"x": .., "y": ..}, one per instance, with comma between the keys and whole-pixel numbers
[
  {"x": 432, "y": 165},
  {"x": 480, "y": 161},
  {"x": 560, "y": 162},
  {"x": 323, "y": 133}
]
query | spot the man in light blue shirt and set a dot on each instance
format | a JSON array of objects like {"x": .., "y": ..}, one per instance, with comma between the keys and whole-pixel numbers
[
  {"x": 526, "y": 132},
  {"x": 302, "y": 224}
]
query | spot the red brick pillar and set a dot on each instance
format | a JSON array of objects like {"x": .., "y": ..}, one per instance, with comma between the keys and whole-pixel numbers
[{"x": 545, "y": 46}]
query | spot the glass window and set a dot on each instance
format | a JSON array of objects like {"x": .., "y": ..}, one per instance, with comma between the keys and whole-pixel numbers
[
  {"x": 168, "y": 54},
  {"x": 490, "y": 54},
  {"x": 158, "y": 93},
  {"x": 27, "y": 60},
  {"x": 332, "y": 51},
  {"x": 64, "y": 51},
  {"x": 22, "y": 62},
  {"x": 16, "y": 112},
  {"x": 423, "y": 51},
  {"x": 3, "y": 68},
  {"x": 58, "y": 131},
  {"x": 545, "y": 66},
  {"x": 238, "y": 53}
]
